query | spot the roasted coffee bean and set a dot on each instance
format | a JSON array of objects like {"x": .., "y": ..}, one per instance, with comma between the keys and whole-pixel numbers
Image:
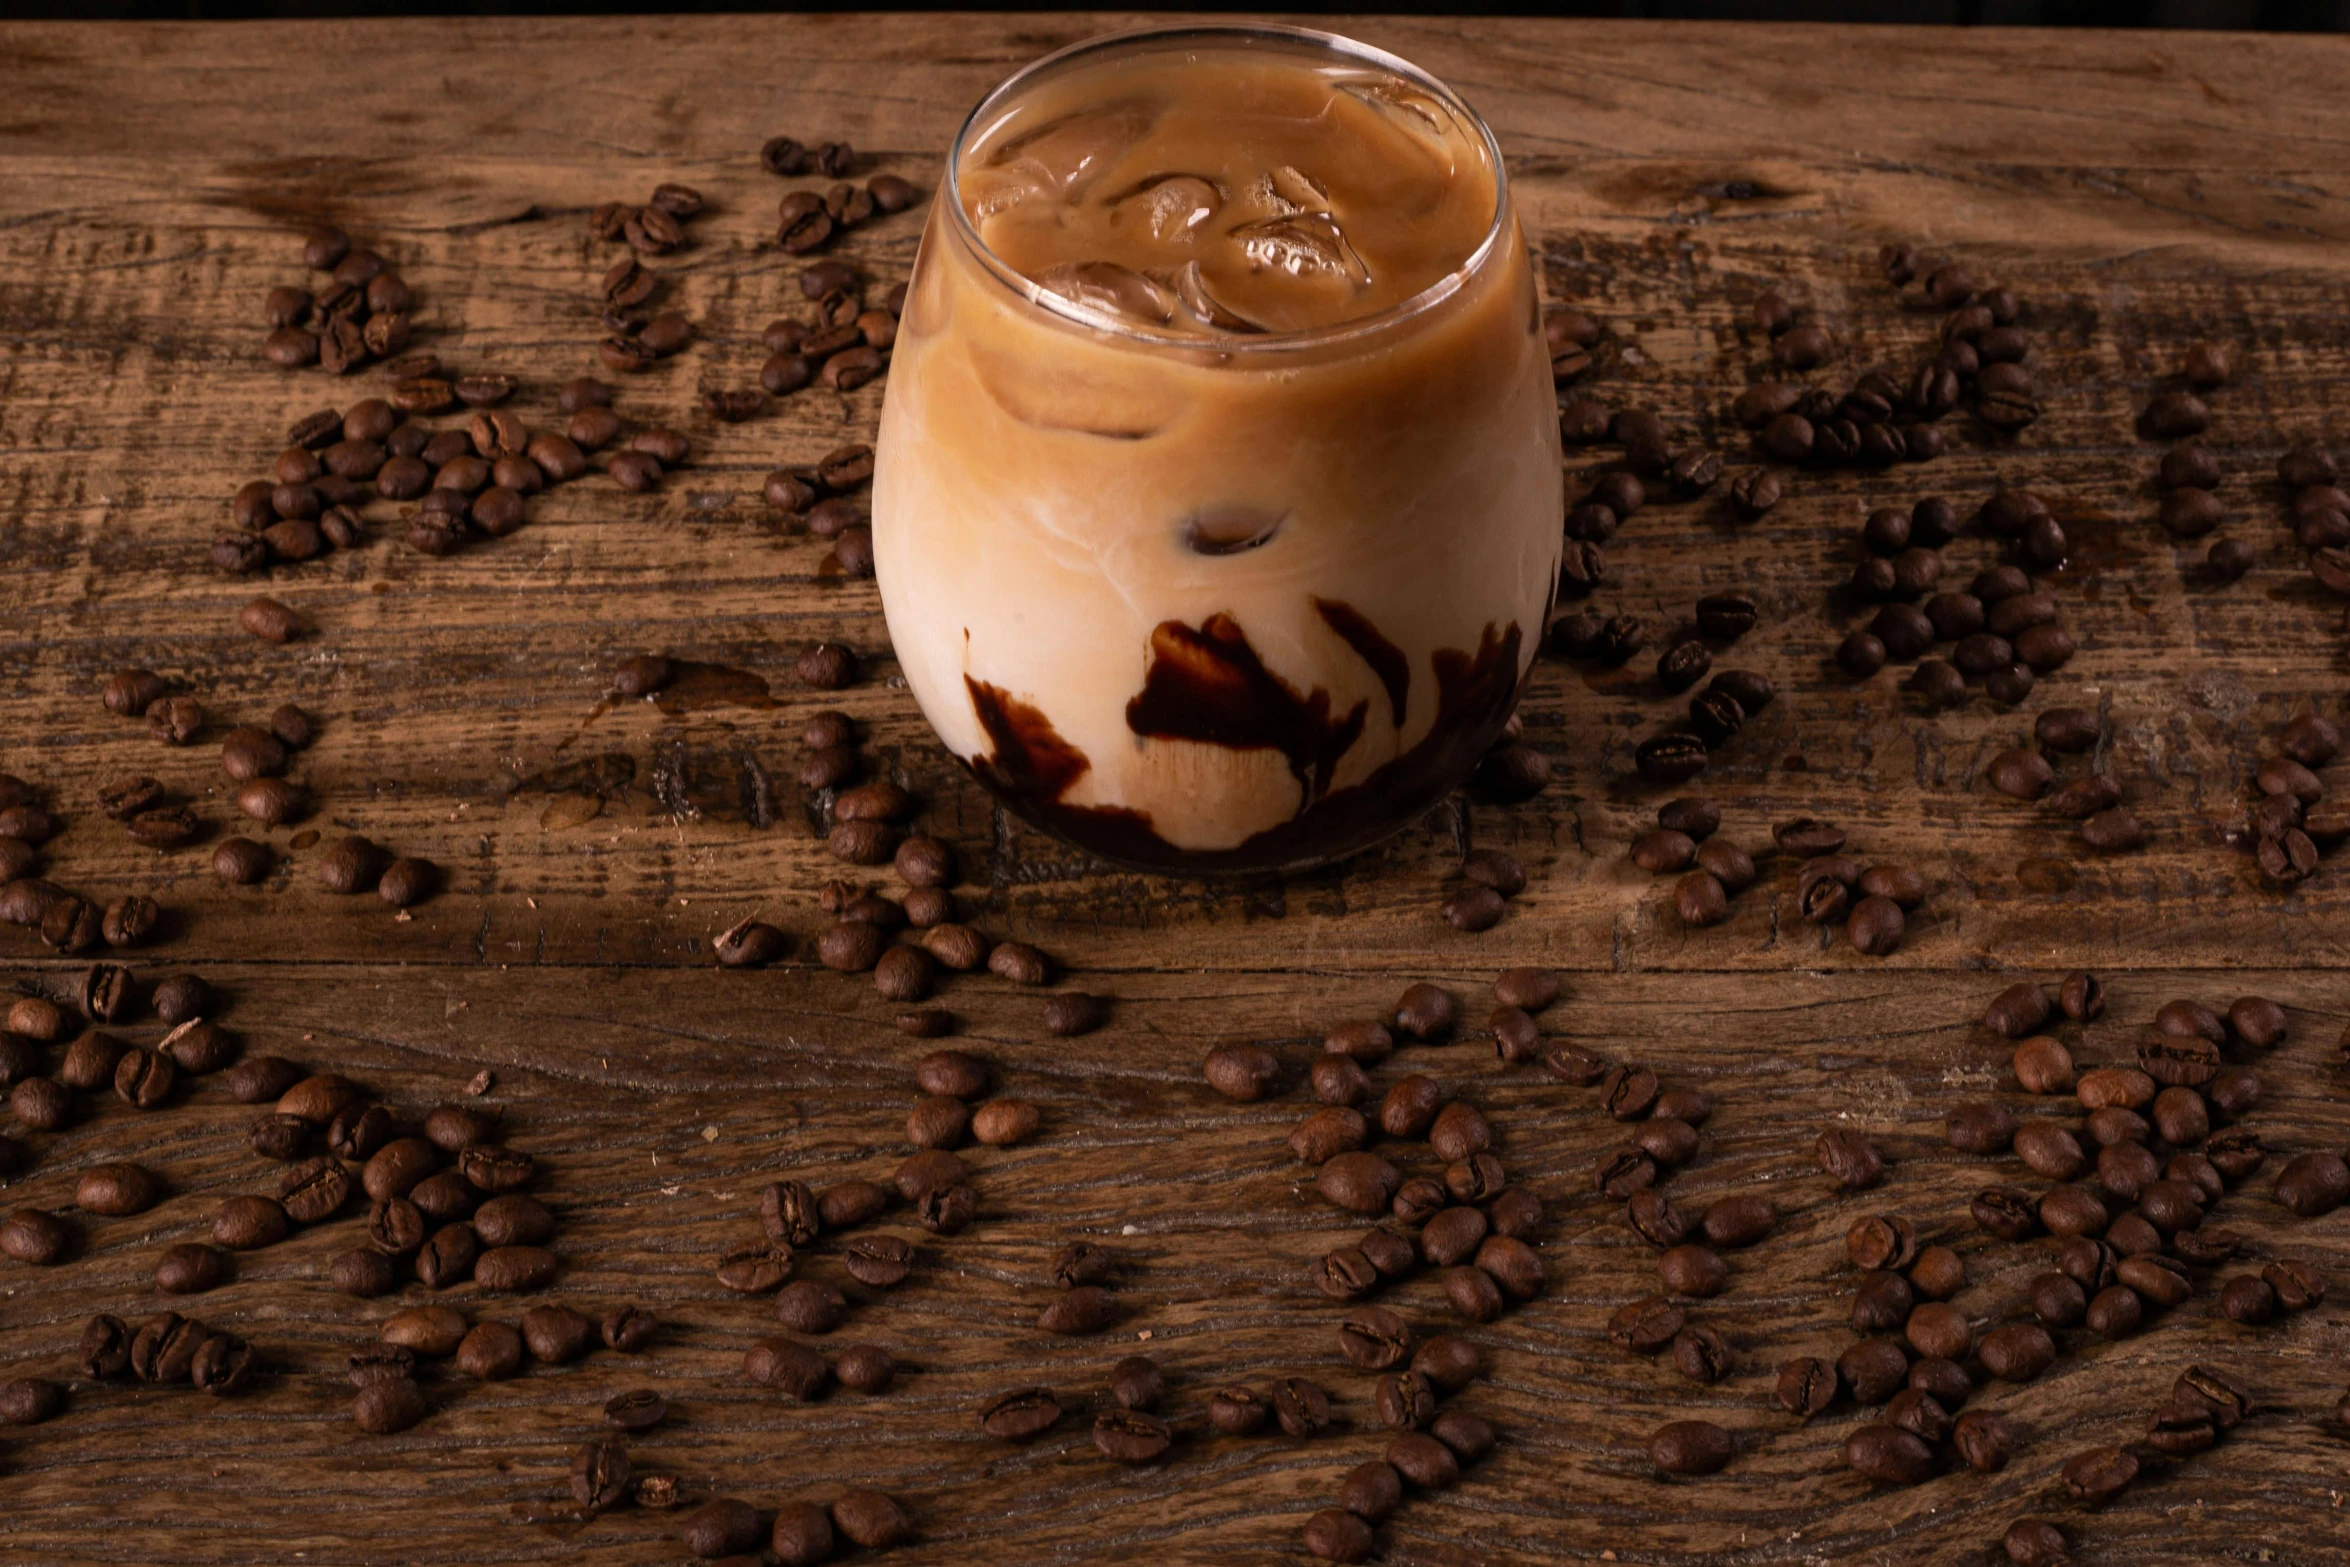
[
  {"x": 1873, "y": 1369},
  {"x": 1646, "y": 1326},
  {"x": 1754, "y": 491},
  {"x": 1691, "y": 1447},
  {"x": 2016, "y": 1351},
  {"x": 2100, "y": 1474},
  {"x": 1849, "y": 1159},
  {"x": 1241, "y": 1070},
  {"x": 1374, "y": 1338},
  {"x": 189, "y": 1268},
  {"x": 1702, "y": 1354},
  {"x": 1359, "y": 1041},
  {"x": 1129, "y": 1436},
  {"x": 144, "y": 1078},
  {"x": 1019, "y": 963},
  {"x": 1326, "y": 1133},
  {"x": 1670, "y": 758},
  {"x": 1806, "y": 1386}
]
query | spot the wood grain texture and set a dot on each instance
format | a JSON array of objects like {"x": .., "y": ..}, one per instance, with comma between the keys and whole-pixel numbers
[{"x": 2137, "y": 190}]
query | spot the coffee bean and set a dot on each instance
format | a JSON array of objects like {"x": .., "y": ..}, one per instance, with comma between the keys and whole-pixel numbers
[
  {"x": 1241, "y": 1070},
  {"x": 2314, "y": 1184},
  {"x": 144, "y": 1078},
  {"x": 2100, "y": 1474},
  {"x": 1333, "y": 1535},
  {"x": 722, "y": 1526},
  {"x": 790, "y": 1367},
  {"x": 870, "y": 1519},
  {"x": 1018, "y": 963},
  {"x": 492, "y": 1352},
  {"x": 249, "y": 1223},
  {"x": 1691, "y": 1447},
  {"x": 1849, "y": 1159},
  {"x": 1754, "y": 491},
  {"x": 191, "y": 1268},
  {"x": 1670, "y": 758},
  {"x": 117, "y": 1190},
  {"x": 2173, "y": 416},
  {"x": 1130, "y": 1436},
  {"x": 1425, "y": 1012}
]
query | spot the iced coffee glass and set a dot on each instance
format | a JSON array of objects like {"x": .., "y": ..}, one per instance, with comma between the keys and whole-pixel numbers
[{"x": 1217, "y": 506}]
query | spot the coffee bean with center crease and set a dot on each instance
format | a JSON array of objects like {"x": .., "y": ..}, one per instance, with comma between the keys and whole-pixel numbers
[
  {"x": 1374, "y": 1338},
  {"x": 1849, "y": 1159},
  {"x": 880, "y": 1262},
  {"x": 1806, "y": 1386},
  {"x": 1646, "y": 1326}
]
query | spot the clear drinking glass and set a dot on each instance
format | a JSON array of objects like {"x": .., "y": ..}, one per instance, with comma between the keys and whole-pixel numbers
[{"x": 1238, "y": 561}]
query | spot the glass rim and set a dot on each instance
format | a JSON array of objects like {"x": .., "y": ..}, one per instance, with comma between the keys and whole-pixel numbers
[{"x": 1078, "y": 314}]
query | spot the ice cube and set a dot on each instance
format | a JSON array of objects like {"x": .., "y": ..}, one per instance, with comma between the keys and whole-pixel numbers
[
  {"x": 1172, "y": 206},
  {"x": 1427, "y": 119},
  {"x": 1297, "y": 190},
  {"x": 1070, "y": 153},
  {"x": 1199, "y": 300},
  {"x": 989, "y": 191},
  {"x": 1304, "y": 245},
  {"x": 1111, "y": 289}
]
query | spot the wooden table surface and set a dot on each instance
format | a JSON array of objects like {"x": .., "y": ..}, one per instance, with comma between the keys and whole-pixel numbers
[{"x": 2138, "y": 190}]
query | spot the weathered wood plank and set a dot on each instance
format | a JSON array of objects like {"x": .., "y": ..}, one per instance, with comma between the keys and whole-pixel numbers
[{"x": 2138, "y": 191}]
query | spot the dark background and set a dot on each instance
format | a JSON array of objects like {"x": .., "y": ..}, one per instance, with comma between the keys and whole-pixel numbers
[{"x": 2263, "y": 15}]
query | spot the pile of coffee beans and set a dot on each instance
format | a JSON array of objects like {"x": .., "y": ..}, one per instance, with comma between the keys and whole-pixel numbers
[
  {"x": 2189, "y": 472},
  {"x": 390, "y": 1398},
  {"x": 1431, "y": 1446},
  {"x": 2002, "y": 631},
  {"x": 1712, "y": 870},
  {"x": 1874, "y": 902},
  {"x": 146, "y": 1077},
  {"x": 470, "y": 482},
  {"x": 817, "y": 497},
  {"x": 1983, "y": 347},
  {"x": 67, "y": 921},
  {"x": 2115, "y": 1269},
  {"x": 1910, "y": 1357},
  {"x": 1466, "y": 1219},
  {"x": 2204, "y": 1405},
  {"x": 844, "y": 344},
  {"x": 639, "y": 334},
  {"x": 2289, "y": 825},
  {"x": 2320, "y": 513},
  {"x": 809, "y": 220},
  {"x": 653, "y": 229},
  {"x": 2093, "y": 799},
  {"x": 163, "y": 1350},
  {"x": 361, "y": 313},
  {"x": 1664, "y": 1135},
  {"x": 1880, "y": 420},
  {"x": 1489, "y": 879}
]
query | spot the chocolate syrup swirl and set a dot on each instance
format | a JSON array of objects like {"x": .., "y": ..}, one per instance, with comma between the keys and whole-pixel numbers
[
  {"x": 1032, "y": 767},
  {"x": 1387, "y": 661},
  {"x": 1209, "y": 685}
]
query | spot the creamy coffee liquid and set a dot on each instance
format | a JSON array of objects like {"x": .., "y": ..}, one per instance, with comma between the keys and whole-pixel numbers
[
  {"x": 1179, "y": 584},
  {"x": 1218, "y": 193}
]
